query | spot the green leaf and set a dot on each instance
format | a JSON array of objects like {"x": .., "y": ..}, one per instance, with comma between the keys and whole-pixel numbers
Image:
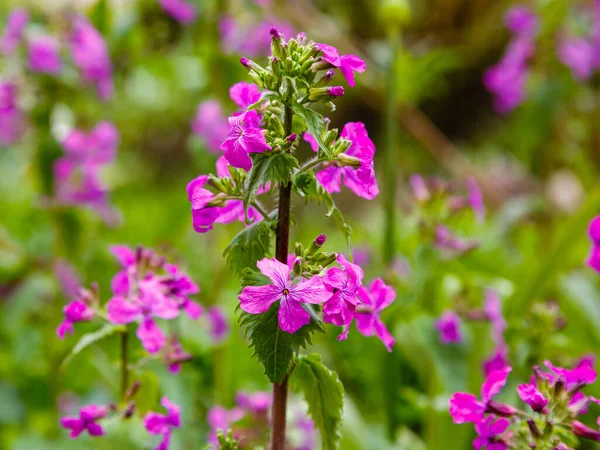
[
  {"x": 306, "y": 185},
  {"x": 275, "y": 348},
  {"x": 249, "y": 245},
  {"x": 148, "y": 394},
  {"x": 314, "y": 124},
  {"x": 271, "y": 168},
  {"x": 92, "y": 338},
  {"x": 324, "y": 394}
]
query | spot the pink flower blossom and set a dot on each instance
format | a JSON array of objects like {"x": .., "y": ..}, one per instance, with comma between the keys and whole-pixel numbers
[
  {"x": 257, "y": 403},
  {"x": 445, "y": 240},
  {"x": 17, "y": 21},
  {"x": 219, "y": 326},
  {"x": 348, "y": 64},
  {"x": 314, "y": 145},
  {"x": 250, "y": 38},
  {"x": 44, "y": 55},
  {"x": 374, "y": 300},
  {"x": 449, "y": 326},
  {"x": 467, "y": 408},
  {"x": 203, "y": 216},
  {"x": 211, "y": 124},
  {"x": 291, "y": 316},
  {"x": 11, "y": 118},
  {"x": 90, "y": 54},
  {"x": 162, "y": 424},
  {"x": 359, "y": 180},
  {"x": 521, "y": 20},
  {"x": 180, "y": 10},
  {"x": 498, "y": 360},
  {"x": 490, "y": 434},
  {"x": 180, "y": 286},
  {"x": 234, "y": 209},
  {"x": 579, "y": 55},
  {"x": 581, "y": 430},
  {"x": 76, "y": 311},
  {"x": 244, "y": 94},
  {"x": 244, "y": 137},
  {"x": 594, "y": 234},
  {"x": 344, "y": 285},
  {"x": 87, "y": 421},
  {"x": 530, "y": 394},
  {"x": 98, "y": 146},
  {"x": 475, "y": 198},
  {"x": 221, "y": 419}
]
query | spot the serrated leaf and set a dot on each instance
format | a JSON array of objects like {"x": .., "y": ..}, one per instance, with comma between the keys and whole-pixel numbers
[
  {"x": 91, "y": 338},
  {"x": 274, "y": 348},
  {"x": 271, "y": 168},
  {"x": 306, "y": 185},
  {"x": 249, "y": 245},
  {"x": 314, "y": 124},
  {"x": 267, "y": 95},
  {"x": 324, "y": 394}
]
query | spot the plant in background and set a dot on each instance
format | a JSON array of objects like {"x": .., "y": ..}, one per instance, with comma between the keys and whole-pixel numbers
[{"x": 287, "y": 298}]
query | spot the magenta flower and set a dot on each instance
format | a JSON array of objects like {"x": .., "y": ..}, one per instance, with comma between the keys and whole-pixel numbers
[
  {"x": 162, "y": 424},
  {"x": 579, "y": 55},
  {"x": 180, "y": 286},
  {"x": 76, "y": 311},
  {"x": 581, "y": 430},
  {"x": 594, "y": 234},
  {"x": 98, "y": 146},
  {"x": 449, "y": 326},
  {"x": 44, "y": 55},
  {"x": 583, "y": 372},
  {"x": 87, "y": 421},
  {"x": 90, "y": 54},
  {"x": 291, "y": 316},
  {"x": 530, "y": 394},
  {"x": 234, "y": 209},
  {"x": 314, "y": 145},
  {"x": 251, "y": 39},
  {"x": 348, "y": 64},
  {"x": 180, "y": 10},
  {"x": 219, "y": 326},
  {"x": 174, "y": 355},
  {"x": 467, "y": 408},
  {"x": 149, "y": 302},
  {"x": 221, "y": 419},
  {"x": 203, "y": 216},
  {"x": 520, "y": 20},
  {"x": 359, "y": 180},
  {"x": 17, "y": 21},
  {"x": 244, "y": 94},
  {"x": 498, "y": 360},
  {"x": 257, "y": 403},
  {"x": 245, "y": 136},
  {"x": 475, "y": 198},
  {"x": 211, "y": 124},
  {"x": 344, "y": 285},
  {"x": 374, "y": 300},
  {"x": 11, "y": 118},
  {"x": 490, "y": 434}
]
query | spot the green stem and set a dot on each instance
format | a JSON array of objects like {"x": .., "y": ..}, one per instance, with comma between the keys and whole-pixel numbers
[
  {"x": 282, "y": 238},
  {"x": 261, "y": 210},
  {"x": 312, "y": 163},
  {"x": 124, "y": 370}
]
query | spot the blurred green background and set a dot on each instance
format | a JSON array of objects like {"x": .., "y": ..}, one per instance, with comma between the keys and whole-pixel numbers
[{"x": 424, "y": 102}]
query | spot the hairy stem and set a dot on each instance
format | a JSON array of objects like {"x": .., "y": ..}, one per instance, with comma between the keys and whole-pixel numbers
[
  {"x": 124, "y": 371},
  {"x": 282, "y": 238}
]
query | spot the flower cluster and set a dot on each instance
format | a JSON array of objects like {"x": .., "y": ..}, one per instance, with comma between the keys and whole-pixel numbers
[
  {"x": 594, "y": 234},
  {"x": 77, "y": 174},
  {"x": 506, "y": 80},
  {"x": 249, "y": 421},
  {"x": 554, "y": 397}
]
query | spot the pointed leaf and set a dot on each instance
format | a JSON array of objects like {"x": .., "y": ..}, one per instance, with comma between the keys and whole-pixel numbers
[
  {"x": 249, "y": 245},
  {"x": 314, "y": 124},
  {"x": 91, "y": 338}
]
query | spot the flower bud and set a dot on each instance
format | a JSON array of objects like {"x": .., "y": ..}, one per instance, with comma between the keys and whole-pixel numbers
[
  {"x": 500, "y": 409},
  {"x": 276, "y": 125},
  {"x": 347, "y": 160},
  {"x": 129, "y": 411},
  {"x": 326, "y": 78},
  {"x": 325, "y": 93},
  {"x": 584, "y": 431},
  {"x": 324, "y": 259},
  {"x": 298, "y": 249},
  {"x": 321, "y": 64},
  {"x": 320, "y": 240},
  {"x": 251, "y": 65},
  {"x": 335, "y": 91},
  {"x": 301, "y": 38},
  {"x": 292, "y": 137},
  {"x": 535, "y": 432}
]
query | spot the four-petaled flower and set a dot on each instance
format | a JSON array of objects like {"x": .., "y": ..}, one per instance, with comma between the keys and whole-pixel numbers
[
  {"x": 490, "y": 434},
  {"x": 88, "y": 416},
  {"x": 344, "y": 285},
  {"x": 292, "y": 316},
  {"x": 157, "y": 423},
  {"x": 245, "y": 136},
  {"x": 348, "y": 64}
]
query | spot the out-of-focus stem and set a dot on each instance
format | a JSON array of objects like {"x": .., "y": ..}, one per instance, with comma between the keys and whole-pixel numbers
[{"x": 124, "y": 370}]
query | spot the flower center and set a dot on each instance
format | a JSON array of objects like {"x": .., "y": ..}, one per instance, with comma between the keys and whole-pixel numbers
[{"x": 286, "y": 291}]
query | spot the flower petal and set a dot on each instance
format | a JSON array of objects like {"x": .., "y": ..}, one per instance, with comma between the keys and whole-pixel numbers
[
  {"x": 278, "y": 273},
  {"x": 292, "y": 316},
  {"x": 121, "y": 311},
  {"x": 152, "y": 337},
  {"x": 309, "y": 291},
  {"x": 258, "y": 299}
]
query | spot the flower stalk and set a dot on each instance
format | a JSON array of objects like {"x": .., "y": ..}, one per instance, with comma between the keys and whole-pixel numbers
[{"x": 124, "y": 370}]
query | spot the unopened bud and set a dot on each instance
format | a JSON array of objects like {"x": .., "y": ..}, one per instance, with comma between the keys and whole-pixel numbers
[
  {"x": 326, "y": 78},
  {"x": 584, "y": 431},
  {"x": 133, "y": 389},
  {"x": 347, "y": 160},
  {"x": 335, "y": 91},
  {"x": 535, "y": 432},
  {"x": 129, "y": 411},
  {"x": 320, "y": 240},
  {"x": 501, "y": 409}
]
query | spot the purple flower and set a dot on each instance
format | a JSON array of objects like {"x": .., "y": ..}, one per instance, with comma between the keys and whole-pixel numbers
[
  {"x": 219, "y": 326},
  {"x": 530, "y": 394},
  {"x": 211, "y": 124},
  {"x": 98, "y": 146},
  {"x": 343, "y": 285},
  {"x": 221, "y": 419},
  {"x": 579, "y": 55},
  {"x": 335, "y": 91},
  {"x": 520, "y": 20},
  {"x": 17, "y": 21},
  {"x": 44, "y": 55},
  {"x": 76, "y": 311},
  {"x": 203, "y": 217},
  {"x": 251, "y": 39},
  {"x": 244, "y": 94},
  {"x": 311, "y": 141},
  {"x": 179, "y": 10},
  {"x": 348, "y": 64},
  {"x": 419, "y": 188},
  {"x": 449, "y": 327},
  {"x": 88, "y": 416},
  {"x": 291, "y": 316},
  {"x": 490, "y": 434},
  {"x": 374, "y": 300},
  {"x": 149, "y": 302},
  {"x": 234, "y": 209},
  {"x": 581, "y": 430},
  {"x": 174, "y": 355},
  {"x": 475, "y": 198},
  {"x": 493, "y": 311},
  {"x": 156, "y": 423},
  {"x": 498, "y": 360},
  {"x": 11, "y": 118},
  {"x": 594, "y": 234},
  {"x": 244, "y": 137},
  {"x": 583, "y": 372},
  {"x": 257, "y": 403},
  {"x": 359, "y": 180},
  {"x": 90, "y": 54},
  {"x": 180, "y": 286},
  {"x": 466, "y": 408}
]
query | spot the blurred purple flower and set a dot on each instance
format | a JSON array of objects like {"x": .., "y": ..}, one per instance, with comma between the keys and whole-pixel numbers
[
  {"x": 162, "y": 424},
  {"x": 76, "y": 311},
  {"x": 449, "y": 326},
  {"x": 221, "y": 419},
  {"x": 98, "y": 146},
  {"x": 17, "y": 21},
  {"x": 90, "y": 54},
  {"x": 498, "y": 360},
  {"x": 11, "y": 118},
  {"x": 594, "y": 234},
  {"x": 87, "y": 421},
  {"x": 180, "y": 10},
  {"x": 579, "y": 55},
  {"x": 250, "y": 39},
  {"x": 475, "y": 198},
  {"x": 490, "y": 433},
  {"x": 67, "y": 277},
  {"x": 530, "y": 394},
  {"x": 210, "y": 123},
  {"x": 44, "y": 55},
  {"x": 219, "y": 326},
  {"x": 445, "y": 240},
  {"x": 257, "y": 403},
  {"x": 521, "y": 20},
  {"x": 174, "y": 355}
]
